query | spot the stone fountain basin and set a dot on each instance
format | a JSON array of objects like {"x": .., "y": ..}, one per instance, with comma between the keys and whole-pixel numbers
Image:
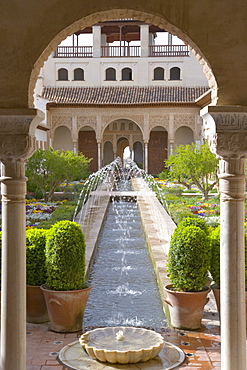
[{"x": 135, "y": 345}]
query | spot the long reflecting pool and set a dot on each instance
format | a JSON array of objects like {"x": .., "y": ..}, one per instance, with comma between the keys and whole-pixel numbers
[{"x": 125, "y": 290}]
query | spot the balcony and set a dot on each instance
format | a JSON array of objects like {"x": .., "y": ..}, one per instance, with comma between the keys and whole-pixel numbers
[
  {"x": 121, "y": 51},
  {"x": 73, "y": 52},
  {"x": 169, "y": 51}
]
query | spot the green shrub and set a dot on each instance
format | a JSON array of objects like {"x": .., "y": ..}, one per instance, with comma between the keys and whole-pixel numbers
[
  {"x": 195, "y": 221},
  {"x": 65, "y": 256},
  {"x": 36, "y": 261},
  {"x": 189, "y": 258},
  {"x": 215, "y": 255}
]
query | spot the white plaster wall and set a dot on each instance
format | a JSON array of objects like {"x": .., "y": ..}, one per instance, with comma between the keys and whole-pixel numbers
[{"x": 142, "y": 71}]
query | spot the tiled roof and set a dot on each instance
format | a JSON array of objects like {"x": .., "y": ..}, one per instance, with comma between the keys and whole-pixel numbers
[{"x": 122, "y": 95}]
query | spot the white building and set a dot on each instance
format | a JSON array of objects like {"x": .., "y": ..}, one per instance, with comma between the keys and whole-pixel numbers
[{"x": 102, "y": 98}]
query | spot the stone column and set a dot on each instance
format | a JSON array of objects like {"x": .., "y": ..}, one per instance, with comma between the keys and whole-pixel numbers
[
  {"x": 96, "y": 41},
  {"x": 228, "y": 139},
  {"x": 99, "y": 154},
  {"x": 146, "y": 156},
  {"x": 144, "y": 28},
  {"x": 171, "y": 147},
  {"x": 16, "y": 144}
]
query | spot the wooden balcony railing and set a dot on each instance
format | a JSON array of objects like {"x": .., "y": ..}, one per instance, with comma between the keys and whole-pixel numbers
[
  {"x": 74, "y": 52},
  {"x": 121, "y": 51},
  {"x": 169, "y": 51}
]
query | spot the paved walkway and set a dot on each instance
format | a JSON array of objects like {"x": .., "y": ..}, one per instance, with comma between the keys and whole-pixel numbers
[{"x": 202, "y": 348}]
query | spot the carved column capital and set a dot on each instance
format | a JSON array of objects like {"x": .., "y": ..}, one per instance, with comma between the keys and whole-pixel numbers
[
  {"x": 227, "y": 136},
  {"x": 16, "y": 143}
]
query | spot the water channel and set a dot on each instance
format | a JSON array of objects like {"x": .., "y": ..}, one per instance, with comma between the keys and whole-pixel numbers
[{"x": 125, "y": 290}]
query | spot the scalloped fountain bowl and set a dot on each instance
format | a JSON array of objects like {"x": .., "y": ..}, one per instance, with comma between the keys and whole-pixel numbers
[{"x": 123, "y": 345}]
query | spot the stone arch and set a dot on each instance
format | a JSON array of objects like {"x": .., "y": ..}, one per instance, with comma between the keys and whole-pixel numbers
[
  {"x": 62, "y": 138},
  {"x": 119, "y": 14},
  {"x": 184, "y": 135},
  {"x": 122, "y": 143},
  {"x": 137, "y": 119}
]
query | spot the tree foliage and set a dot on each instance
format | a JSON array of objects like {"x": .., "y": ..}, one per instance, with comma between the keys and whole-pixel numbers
[
  {"x": 48, "y": 168},
  {"x": 192, "y": 164}
]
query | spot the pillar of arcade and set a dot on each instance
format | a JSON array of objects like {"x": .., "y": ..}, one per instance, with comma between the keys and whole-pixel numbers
[
  {"x": 17, "y": 143},
  {"x": 228, "y": 139}
]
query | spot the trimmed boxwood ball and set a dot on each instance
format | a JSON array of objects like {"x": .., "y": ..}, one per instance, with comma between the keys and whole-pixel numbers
[
  {"x": 36, "y": 261},
  {"x": 65, "y": 256},
  {"x": 195, "y": 221},
  {"x": 189, "y": 259}
]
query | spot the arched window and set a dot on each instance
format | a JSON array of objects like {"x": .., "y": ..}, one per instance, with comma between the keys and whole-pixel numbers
[
  {"x": 126, "y": 74},
  {"x": 78, "y": 74},
  {"x": 63, "y": 74},
  {"x": 159, "y": 73},
  {"x": 175, "y": 73},
  {"x": 110, "y": 74}
]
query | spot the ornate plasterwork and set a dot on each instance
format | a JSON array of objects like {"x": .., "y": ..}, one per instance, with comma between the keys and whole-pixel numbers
[
  {"x": 137, "y": 138},
  {"x": 61, "y": 121},
  {"x": 15, "y": 124},
  {"x": 86, "y": 121},
  {"x": 229, "y": 144},
  {"x": 16, "y": 144},
  {"x": 230, "y": 121},
  {"x": 159, "y": 121},
  {"x": 138, "y": 119},
  {"x": 184, "y": 120}
]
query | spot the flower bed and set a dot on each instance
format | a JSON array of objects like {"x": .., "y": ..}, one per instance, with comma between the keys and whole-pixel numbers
[{"x": 37, "y": 211}]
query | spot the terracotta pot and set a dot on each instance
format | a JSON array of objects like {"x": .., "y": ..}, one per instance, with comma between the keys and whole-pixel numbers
[
  {"x": 66, "y": 308},
  {"x": 186, "y": 308},
  {"x": 36, "y": 306},
  {"x": 216, "y": 290}
]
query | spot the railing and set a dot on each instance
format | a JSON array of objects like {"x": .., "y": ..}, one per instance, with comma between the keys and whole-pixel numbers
[
  {"x": 120, "y": 51},
  {"x": 74, "y": 52},
  {"x": 169, "y": 51}
]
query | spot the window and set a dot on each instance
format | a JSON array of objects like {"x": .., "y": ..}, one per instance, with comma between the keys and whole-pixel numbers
[
  {"x": 110, "y": 74},
  {"x": 159, "y": 73},
  {"x": 63, "y": 74},
  {"x": 175, "y": 73},
  {"x": 126, "y": 74},
  {"x": 78, "y": 74}
]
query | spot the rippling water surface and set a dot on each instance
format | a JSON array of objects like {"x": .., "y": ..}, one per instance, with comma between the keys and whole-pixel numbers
[{"x": 124, "y": 290}]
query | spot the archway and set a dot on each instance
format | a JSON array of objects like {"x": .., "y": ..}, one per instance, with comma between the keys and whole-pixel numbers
[
  {"x": 108, "y": 153},
  {"x": 122, "y": 143},
  {"x": 121, "y": 133},
  {"x": 175, "y": 20},
  {"x": 157, "y": 149},
  {"x": 138, "y": 153},
  {"x": 183, "y": 136},
  {"x": 87, "y": 145},
  {"x": 62, "y": 138}
]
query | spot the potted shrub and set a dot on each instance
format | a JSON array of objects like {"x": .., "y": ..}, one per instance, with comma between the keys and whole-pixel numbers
[
  {"x": 36, "y": 275},
  {"x": 215, "y": 266},
  {"x": 188, "y": 265},
  {"x": 65, "y": 291}
]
